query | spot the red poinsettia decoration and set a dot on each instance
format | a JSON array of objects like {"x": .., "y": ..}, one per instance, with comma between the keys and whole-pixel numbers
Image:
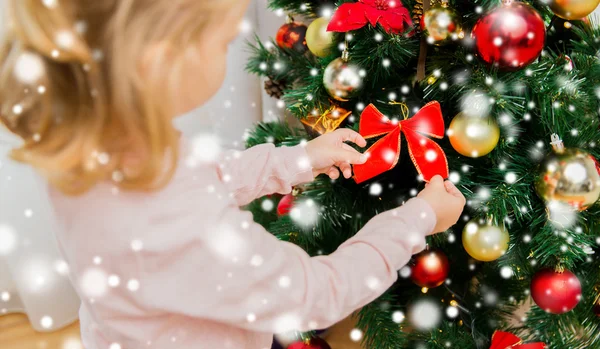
[{"x": 391, "y": 14}]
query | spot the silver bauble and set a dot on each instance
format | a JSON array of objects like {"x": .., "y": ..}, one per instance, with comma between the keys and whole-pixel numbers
[
  {"x": 343, "y": 80},
  {"x": 570, "y": 176}
]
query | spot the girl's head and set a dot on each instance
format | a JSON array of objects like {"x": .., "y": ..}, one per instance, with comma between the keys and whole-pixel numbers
[{"x": 92, "y": 86}]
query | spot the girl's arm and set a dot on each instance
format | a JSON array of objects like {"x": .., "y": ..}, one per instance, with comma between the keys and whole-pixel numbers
[
  {"x": 223, "y": 267},
  {"x": 264, "y": 170}
]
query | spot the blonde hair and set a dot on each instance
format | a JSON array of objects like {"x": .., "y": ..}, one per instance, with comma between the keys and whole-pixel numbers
[{"x": 71, "y": 88}]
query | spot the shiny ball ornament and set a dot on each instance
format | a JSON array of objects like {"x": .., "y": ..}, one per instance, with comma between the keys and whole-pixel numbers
[
  {"x": 292, "y": 36},
  {"x": 473, "y": 136},
  {"x": 573, "y": 9},
  {"x": 318, "y": 39},
  {"x": 343, "y": 80},
  {"x": 285, "y": 205},
  {"x": 484, "y": 241},
  {"x": 312, "y": 343},
  {"x": 510, "y": 36},
  {"x": 441, "y": 25},
  {"x": 430, "y": 268},
  {"x": 569, "y": 176},
  {"x": 556, "y": 292}
]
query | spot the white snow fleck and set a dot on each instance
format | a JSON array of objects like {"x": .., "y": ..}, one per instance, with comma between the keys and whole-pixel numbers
[
  {"x": 406, "y": 271},
  {"x": 133, "y": 285},
  {"x": 47, "y": 322},
  {"x": 398, "y": 317},
  {"x": 61, "y": 267},
  {"x": 285, "y": 281},
  {"x": 452, "y": 312},
  {"x": 205, "y": 148},
  {"x": 510, "y": 177},
  {"x": 29, "y": 68},
  {"x": 356, "y": 335},
  {"x": 425, "y": 315},
  {"x": 257, "y": 260},
  {"x": 506, "y": 272},
  {"x": 267, "y": 205},
  {"x": 94, "y": 283},
  {"x": 373, "y": 283},
  {"x": 114, "y": 280},
  {"x": 137, "y": 245},
  {"x": 305, "y": 213},
  {"x": 5, "y": 296},
  {"x": 375, "y": 189}
]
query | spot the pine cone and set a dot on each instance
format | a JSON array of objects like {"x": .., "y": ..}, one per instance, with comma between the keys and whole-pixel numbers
[
  {"x": 275, "y": 88},
  {"x": 417, "y": 13}
]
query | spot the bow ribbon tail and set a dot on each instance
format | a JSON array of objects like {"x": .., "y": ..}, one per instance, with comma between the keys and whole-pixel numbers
[
  {"x": 530, "y": 346},
  {"x": 505, "y": 340},
  {"x": 427, "y": 155},
  {"x": 383, "y": 156}
]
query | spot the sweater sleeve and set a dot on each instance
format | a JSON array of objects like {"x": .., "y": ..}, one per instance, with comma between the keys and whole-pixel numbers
[
  {"x": 223, "y": 267},
  {"x": 264, "y": 170}
]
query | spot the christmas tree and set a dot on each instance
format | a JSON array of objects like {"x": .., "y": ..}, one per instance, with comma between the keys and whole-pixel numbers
[{"x": 518, "y": 85}]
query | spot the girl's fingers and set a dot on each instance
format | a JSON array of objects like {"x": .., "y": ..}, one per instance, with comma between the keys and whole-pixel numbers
[
  {"x": 345, "y": 168},
  {"x": 347, "y": 147},
  {"x": 348, "y": 135},
  {"x": 350, "y": 156},
  {"x": 333, "y": 173},
  {"x": 452, "y": 189}
]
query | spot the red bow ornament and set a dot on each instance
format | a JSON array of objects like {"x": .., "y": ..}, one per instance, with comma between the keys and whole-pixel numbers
[
  {"x": 505, "y": 340},
  {"x": 391, "y": 14},
  {"x": 428, "y": 156}
]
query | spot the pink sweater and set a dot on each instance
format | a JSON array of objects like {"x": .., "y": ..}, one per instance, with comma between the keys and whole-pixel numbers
[{"x": 185, "y": 267}]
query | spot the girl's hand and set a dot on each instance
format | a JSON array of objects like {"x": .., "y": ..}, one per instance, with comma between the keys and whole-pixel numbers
[
  {"x": 329, "y": 154},
  {"x": 446, "y": 201}
]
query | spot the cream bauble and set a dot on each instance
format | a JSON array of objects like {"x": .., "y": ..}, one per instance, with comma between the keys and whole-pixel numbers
[
  {"x": 318, "y": 39},
  {"x": 474, "y": 136},
  {"x": 484, "y": 241}
]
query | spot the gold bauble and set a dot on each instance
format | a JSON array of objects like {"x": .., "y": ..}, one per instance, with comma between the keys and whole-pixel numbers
[
  {"x": 473, "y": 136},
  {"x": 573, "y": 9},
  {"x": 343, "y": 80},
  {"x": 318, "y": 39},
  {"x": 441, "y": 24},
  {"x": 570, "y": 176},
  {"x": 484, "y": 241}
]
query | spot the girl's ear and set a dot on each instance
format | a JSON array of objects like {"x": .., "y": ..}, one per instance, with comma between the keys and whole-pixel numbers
[{"x": 155, "y": 59}]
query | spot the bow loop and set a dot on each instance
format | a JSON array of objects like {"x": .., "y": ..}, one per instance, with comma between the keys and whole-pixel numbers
[{"x": 428, "y": 156}]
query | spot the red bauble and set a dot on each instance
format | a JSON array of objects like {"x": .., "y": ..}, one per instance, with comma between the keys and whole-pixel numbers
[
  {"x": 430, "y": 268},
  {"x": 510, "y": 36},
  {"x": 556, "y": 292},
  {"x": 285, "y": 205},
  {"x": 313, "y": 343},
  {"x": 292, "y": 36}
]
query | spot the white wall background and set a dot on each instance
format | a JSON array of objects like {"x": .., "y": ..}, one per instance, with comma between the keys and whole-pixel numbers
[
  {"x": 31, "y": 278},
  {"x": 241, "y": 102}
]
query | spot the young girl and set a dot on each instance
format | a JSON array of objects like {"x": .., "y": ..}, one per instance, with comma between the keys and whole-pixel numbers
[{"x": 159, "y": 250}]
